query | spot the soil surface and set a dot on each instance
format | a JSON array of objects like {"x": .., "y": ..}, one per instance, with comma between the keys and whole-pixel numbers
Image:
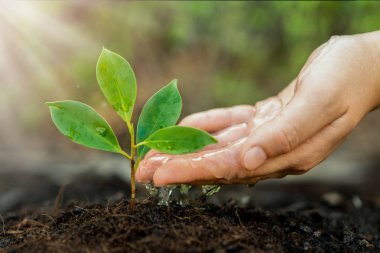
[{"x": 93, "y": 215}]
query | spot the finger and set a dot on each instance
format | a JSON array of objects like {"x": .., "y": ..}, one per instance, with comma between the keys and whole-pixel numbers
[
  {"x": 207, "y": 166},
  {"x": 304, "y": 116},
  {"x": 151, "y": 153},
  {"x": 221, "y": 167},
  {"x": 266, "y": 110},
  {"x": 228, "y": 136},
  {"x": 311, "y": 152},
  {"x": 154, "y": 159},
  {"x": 148, "y": 167},
  {"x": 224, "y": 137},
  {"x": 217, "y": 119}
]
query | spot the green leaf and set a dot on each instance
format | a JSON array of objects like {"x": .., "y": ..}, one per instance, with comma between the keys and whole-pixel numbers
[
  {"x": 117, "y": 82},
  {"x": 82, "y": 124},
  {"x": 179, "y": 140},
  {"x": 161, "y": 110}
]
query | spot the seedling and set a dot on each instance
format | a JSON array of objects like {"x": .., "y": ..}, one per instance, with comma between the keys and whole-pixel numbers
[{"x": 156, "y": 125}]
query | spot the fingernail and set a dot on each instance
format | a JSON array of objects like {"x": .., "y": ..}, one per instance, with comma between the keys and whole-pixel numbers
[{"x": 254, "y": 158}]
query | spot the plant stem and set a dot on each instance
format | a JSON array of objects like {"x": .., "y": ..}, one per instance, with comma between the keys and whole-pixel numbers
[
  {"x": 140, "y": 144},
  {"x": 133, "y": 183},
  {"x": 133, "y": 151},
  {"x": 125, "y": 154}
]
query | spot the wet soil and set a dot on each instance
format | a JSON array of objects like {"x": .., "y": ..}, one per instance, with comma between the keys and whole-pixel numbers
[{"x": 93, "y": 215}]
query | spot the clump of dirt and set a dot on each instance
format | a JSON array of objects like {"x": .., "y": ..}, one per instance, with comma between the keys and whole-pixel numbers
[{"x": 307, "y": 226}]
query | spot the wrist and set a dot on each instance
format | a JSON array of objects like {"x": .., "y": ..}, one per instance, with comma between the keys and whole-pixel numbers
[
  {"x": 372, "y": 46},
  {"x": 374, "y": 37}
]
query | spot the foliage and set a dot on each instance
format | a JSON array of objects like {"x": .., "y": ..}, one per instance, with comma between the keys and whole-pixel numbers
[
  {"x": 82, "y": 124},
  {"x": 178, "y": 140},
  {"x": 157, "y": 114}
]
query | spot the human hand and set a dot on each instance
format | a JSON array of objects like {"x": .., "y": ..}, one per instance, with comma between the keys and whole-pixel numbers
[{"x": 286, "y": 134}]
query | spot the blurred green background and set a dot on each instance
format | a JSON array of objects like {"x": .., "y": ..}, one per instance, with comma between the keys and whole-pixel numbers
[{"x": 222, "y": 53}]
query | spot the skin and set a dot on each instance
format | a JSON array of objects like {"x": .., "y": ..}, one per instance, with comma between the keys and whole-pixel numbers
[{"x": 286, "y": 134}]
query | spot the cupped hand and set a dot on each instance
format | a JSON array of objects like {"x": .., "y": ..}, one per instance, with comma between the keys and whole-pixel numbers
[{"x": 286, "y": 134}]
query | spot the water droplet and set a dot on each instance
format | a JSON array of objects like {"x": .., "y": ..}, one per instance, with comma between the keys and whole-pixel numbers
[
  {"x": 153, "y": 191},
  {"x": 180, "y": 194},
  {"x": 209, "y": 190},
  {"x": 164, "y": 194},
  {"x": 184, "y": 199}
]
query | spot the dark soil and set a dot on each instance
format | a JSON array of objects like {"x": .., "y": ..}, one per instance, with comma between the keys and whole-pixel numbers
[{"x": 338, "y": 221}]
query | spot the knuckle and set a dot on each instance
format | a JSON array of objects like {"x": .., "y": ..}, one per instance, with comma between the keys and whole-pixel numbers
[
  {"x": 308, "y": 163},
  {"x": 286, "y": 138},
  {"x": 241, "y": 174},
  {"x": 206, "y": 116},
  {"x": 280, "y": 174},
  {"x": 229, "y": 115},
  {"x": 220, "y": 172},
  {"x": 305, "y": 167},
  {"x": 340, "y": 40},
  {"x": 334, "y": 38},
  {"x": 351, "y": 123},
  {"x": 297, "y": 169}
]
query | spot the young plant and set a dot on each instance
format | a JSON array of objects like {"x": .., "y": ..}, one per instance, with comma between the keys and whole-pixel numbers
[{"x": 156, "y": 125}]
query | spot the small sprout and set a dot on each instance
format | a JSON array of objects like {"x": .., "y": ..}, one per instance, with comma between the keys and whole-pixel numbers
[{"x": 156, "y": 125}]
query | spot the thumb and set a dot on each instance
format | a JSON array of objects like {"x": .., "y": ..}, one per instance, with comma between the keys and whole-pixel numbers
[{"x": 304, "y": 116}]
